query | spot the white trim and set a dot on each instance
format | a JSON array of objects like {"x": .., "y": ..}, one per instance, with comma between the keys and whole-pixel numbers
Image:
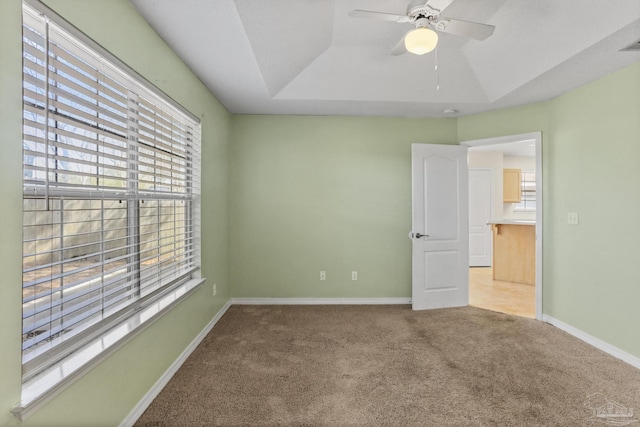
[
  {"x": 43, "y": 387},
  {"x": 320, "y": 301},
  {"x": 537, "y": 138},
  {"x": 591, "y": 340},
  {"x": 153, "y": 392},
  {"x": 501, "y": 139}
]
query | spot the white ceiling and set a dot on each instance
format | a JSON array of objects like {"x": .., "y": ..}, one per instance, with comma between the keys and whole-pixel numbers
[{"x": 310, "y": 57}]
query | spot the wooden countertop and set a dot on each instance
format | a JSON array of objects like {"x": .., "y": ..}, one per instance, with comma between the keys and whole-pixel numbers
[{"x": 513, "y": 222}]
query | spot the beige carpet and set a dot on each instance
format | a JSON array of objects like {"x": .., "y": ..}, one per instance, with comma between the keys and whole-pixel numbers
[{"x": 389, "y": 365}]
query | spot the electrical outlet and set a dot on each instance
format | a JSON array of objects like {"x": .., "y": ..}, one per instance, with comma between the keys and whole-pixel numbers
[
  {"x": 215, "y": 289},
  {"x": 573, "y": 218},
  {"x": 323, "y": 275},
  {"x": 354, "y": 275}
]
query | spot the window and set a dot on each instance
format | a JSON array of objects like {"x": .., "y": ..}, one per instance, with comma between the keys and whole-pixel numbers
[
  {"x": 528, "y": 191},
  {"x": 111, "y": 180}
]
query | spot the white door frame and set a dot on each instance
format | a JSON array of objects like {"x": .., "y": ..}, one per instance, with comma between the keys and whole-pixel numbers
[{"x": 537, "y": 138}]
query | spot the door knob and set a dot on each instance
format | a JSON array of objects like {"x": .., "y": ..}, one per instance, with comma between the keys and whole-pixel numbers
[{"x": 418, "y": 235}]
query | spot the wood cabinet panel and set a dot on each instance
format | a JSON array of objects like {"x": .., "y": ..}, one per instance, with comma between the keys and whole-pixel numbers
[
  {"x": 514, "y": 253},
  {"x": 511, "y": 185}
]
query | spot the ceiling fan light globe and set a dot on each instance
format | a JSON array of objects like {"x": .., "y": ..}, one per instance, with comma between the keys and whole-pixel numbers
[{"x": 420, "y": 41}]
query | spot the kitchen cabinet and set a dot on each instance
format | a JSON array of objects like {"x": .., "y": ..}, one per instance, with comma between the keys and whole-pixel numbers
[
  {"x": 511, "y": 185},
  {"x": 514, "y": 252}
]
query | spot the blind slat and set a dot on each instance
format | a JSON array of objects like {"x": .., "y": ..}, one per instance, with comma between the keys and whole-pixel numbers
[{"x": 110, "y": 192}]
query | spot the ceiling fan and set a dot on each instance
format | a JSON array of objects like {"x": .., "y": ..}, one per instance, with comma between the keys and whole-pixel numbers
[{"x": 425, "y": 17}]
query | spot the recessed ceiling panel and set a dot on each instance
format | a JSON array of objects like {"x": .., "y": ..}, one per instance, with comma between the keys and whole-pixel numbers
[
  {"x": 533, "y": 37},
  {"x": 310, "y": 57},
  {"x": 208, "y": 36},
  {"x": 354, "y": 73},
  {"x": 286, "y": 35}
]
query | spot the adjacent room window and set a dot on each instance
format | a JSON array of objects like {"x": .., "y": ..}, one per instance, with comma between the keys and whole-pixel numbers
[
  {"x": 111, "y": 192},
  {"x": 528, "y": 192}
]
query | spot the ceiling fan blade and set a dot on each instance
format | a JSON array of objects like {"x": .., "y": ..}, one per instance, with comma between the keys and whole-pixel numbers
[
  {"x": 357, "y": 13},
  {"x": 439, "y": 5},
  {"x": 473, "y": 30},
  {"x": 399, "y": 49}
]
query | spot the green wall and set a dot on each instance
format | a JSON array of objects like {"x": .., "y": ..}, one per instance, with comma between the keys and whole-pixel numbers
[
  {"x": 324, "y": 193},
  {"x": 592, "y": 281},
  {"x": 333, "y": 194},
  {"x": 109, "y": 392},
  {"x": 591, "y": 150},
  {"x": 513, "y": 121}
]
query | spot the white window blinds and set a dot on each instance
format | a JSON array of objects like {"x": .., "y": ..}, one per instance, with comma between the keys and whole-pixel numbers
[{"x": 111, "y": 192}]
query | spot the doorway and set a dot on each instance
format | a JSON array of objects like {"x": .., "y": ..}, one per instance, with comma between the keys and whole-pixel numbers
[{"x": 497, "y": 154}]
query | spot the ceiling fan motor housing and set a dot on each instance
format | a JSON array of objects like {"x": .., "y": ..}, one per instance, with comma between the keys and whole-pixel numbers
[{"x": 421, "y": 14}]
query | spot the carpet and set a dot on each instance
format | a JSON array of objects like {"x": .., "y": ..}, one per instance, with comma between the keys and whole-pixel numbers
[{"x": 389, "y": 365}]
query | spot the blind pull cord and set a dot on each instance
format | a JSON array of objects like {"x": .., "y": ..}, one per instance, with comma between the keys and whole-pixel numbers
[{"x": 46, "y": 113}]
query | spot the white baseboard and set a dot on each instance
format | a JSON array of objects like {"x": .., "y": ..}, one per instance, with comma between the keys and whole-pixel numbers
[
  {"x": 319, "y": 301},
  {"x": 597, "y": 343},
  {"x": 146, "y": 400}
]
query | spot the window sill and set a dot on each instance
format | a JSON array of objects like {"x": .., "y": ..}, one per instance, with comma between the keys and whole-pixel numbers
[{"x": 37, "y": 391}]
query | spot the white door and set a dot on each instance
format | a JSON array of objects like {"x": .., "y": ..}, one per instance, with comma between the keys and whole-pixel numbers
[
  {"x": 479, "y": 216},
  {"x": 440, "y": 226}
]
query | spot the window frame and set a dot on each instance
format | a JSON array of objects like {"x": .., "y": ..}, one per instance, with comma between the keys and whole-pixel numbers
[
  {"x": 526, "y": 194},
  {"x": 39, "y": 372}
]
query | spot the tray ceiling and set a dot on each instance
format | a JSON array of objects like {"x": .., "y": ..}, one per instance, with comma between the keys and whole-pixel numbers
[{"x": 310, "y": 57}]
